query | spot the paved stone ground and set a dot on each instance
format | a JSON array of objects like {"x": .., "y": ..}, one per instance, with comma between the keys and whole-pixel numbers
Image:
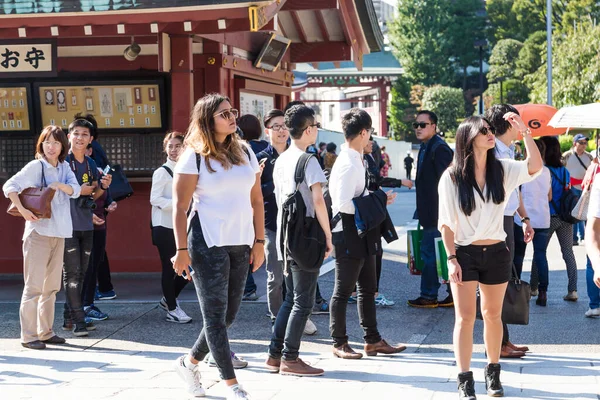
[{"x": 131, "y": 355}]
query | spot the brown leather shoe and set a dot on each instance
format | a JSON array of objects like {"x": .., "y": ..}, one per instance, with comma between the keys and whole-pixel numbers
[
  {"x": 35, "y": 345},
  {"x": 508, "y": 352},
  {"x": 382, "y": 347},
  {"x": 273, "y": 364},
  {"x": 55, "y": 340},
  {"x": 298, "y": 367},
  {"x": 346, "y": 352},
  {"x": 517, "y": 348}
]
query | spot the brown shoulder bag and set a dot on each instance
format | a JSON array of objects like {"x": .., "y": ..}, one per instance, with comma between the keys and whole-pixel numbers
[{"x": 36, "y": 200}]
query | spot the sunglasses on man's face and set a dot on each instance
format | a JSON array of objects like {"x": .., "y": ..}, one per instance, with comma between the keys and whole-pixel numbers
[
  {"x": 421, "y": 125},
  {"x": 317, "y": 124},
  {"x": 583, "y": 142},
  {"x": 487, "y": 131}
]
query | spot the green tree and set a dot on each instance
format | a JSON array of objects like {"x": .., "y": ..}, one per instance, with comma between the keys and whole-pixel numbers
[
  {"x": 530, "y": 56},
  {"x": 448, "y": 104},
  {"x": 428, "y": 37},
  {"x": 514, "y": 91},
  {"x": 504, "y": 24},
  {"x": 402, "y": 111},
  {"x": 503, "y": 60},
  {"x": 575, "y": 68}
]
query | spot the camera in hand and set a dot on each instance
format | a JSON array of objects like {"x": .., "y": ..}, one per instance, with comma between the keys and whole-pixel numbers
[{"x": 86, "y": 202}]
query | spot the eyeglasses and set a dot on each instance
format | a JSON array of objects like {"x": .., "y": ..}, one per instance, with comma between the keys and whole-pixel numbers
[
  {"x": 51, "y": 144},
  {"x": 370, "y": 131},
  {"x": 583, "y": 142},
  {"x": 421, "y": 125},
  {"x": 228, "y": 114},
  {"x": 318, "y": 125},
  {"x": 487, "y": 131},
  {"x": 278, "y": 128}
]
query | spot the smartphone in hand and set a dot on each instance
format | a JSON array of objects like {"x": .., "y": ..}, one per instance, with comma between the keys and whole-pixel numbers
[
  {"x": 184, "y": 274},
  {"x": 106, "y": 170}
]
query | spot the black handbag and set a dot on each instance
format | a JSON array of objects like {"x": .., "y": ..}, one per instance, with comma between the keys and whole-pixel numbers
[
  {"x": 515, "y": 309},
  {"x": 119, "y": 188}
]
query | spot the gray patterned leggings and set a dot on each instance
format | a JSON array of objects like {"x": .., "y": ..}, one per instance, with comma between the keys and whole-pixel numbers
[
  {"x": 564, "y": 233},
  {"x": 219, "y": 278}
]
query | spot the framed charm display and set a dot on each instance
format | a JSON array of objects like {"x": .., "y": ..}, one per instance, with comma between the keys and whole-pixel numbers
[
  {"x": 117, "y": 105},
  {"x": 16, "y": 115}
]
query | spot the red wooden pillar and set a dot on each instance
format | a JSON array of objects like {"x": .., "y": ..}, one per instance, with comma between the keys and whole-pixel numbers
[
  {"x": 216, "y": 78},
  {"x": 383, "y": 100},
  {"x": 182, "y": 81}
]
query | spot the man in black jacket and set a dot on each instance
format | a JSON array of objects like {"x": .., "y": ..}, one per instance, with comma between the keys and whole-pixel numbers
[{"x": 434, "y": 157}]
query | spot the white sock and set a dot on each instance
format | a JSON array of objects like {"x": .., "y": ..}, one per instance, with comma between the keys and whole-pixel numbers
[
  {"x": 234, "y": 387},
  {"x": 187, "y": 363}
]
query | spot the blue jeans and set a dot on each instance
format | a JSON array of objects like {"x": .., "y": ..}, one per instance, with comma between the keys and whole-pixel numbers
[
  {"x": 301, "y": 286},
  {"x": 580, "y": 226},
  {"x": 430, "y": 283},
  {"x": 540, "y": 245},
  {"x": 592, "y": 290}
]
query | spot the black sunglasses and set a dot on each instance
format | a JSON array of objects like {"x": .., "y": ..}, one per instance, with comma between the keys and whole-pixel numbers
[
  {"x": 318, "y": 125},
  {"x": 486, "y": 131},
  {"x": 421, "y": 125}
]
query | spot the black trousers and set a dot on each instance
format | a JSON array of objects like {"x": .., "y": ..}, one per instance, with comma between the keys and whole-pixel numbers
[
  {"x": 77, "y": 258},
  {"x": 510, "y": 243},
  {"x": 91, "y": 275},
  {"x": 349, "y": 271},
  {"x": 172, "y": 284},
  {"x": 104, "y": 281}
]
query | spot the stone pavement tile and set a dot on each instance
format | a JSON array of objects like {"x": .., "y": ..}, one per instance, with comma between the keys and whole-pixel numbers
[
  {"x": 151, "y": 393},
  {"x": 382, "y": 391},
  {"x": 315, "y": 388},
  {"x": 561, "y": 391},
  {"x": 558, "y": 375},
  {"x": 50, "y": 393}
]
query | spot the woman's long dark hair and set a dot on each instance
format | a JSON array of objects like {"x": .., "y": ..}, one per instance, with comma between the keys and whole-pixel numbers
[{"x": 462, "y": 170}]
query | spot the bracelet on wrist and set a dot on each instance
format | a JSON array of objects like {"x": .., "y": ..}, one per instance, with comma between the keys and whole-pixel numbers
[
  {"x": 526, "y": 132},
  {"x": 182, "y": 249},
  {"x": 261, "y": 241},
  {"x": 452, "y": 257},
  {"x": 525, "y": 219}
]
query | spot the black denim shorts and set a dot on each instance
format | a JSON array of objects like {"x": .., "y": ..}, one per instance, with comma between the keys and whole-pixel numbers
[{"x": 490, "y": 265}]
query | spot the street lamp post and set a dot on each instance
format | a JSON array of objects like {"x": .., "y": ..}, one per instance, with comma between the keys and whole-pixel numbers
[
  {"x": 549, "y": 52},
  {"x": 481, "y": 44}
]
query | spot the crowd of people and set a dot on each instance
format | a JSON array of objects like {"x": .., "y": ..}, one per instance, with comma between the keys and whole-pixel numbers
[{"x": 225, "y": 202}]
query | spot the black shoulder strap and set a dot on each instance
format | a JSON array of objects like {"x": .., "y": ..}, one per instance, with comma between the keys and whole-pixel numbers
[
  {"x": 301, "y": 167},
  {"x": 564, "y": 183},
  {"x": 580, "y": 162},
  {"x": 247, "y": 151},
  {"x": 43, "y": 175},
  {"x": 198, "y": 161},
  {"x": 168, "y": 170}
]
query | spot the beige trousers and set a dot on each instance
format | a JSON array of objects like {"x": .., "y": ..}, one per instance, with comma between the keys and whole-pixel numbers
[{"x": 42, "y": 271}]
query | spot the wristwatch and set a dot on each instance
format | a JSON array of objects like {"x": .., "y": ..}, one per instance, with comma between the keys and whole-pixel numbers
[
  {"x": 525, "y": 219},
  {"x": 526, "y": 132},
  {"x": 261, "y": 241}
]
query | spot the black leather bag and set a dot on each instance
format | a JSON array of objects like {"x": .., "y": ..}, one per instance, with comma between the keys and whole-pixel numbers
[
  {"x": 119, "y": 188},
  {"x": 515, "y": 309}
]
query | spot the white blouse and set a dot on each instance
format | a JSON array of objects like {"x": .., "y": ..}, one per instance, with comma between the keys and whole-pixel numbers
[
  {"x": 161, "y": 196},
  {"x": 535, "y": 194},
  {"x": 222, "y": 198},
  {"x": 486, "y": 222}
]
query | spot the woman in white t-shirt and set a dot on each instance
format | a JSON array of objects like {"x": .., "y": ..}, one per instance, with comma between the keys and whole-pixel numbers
[
  {"x": 220, "y": 174},
  {"x": 473, "y": 195},
  {"x": 161, "y": 199}
]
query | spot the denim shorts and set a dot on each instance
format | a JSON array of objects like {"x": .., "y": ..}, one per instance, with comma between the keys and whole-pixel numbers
[{"x": 490, "y": 264}]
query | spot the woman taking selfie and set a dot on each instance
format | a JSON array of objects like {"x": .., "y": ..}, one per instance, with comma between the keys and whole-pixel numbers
[
  {"x": 473, "y": 195},
  {"x": 161, "y": 199},
  {"x": 226, "y": 231},
  {"x": 44, "y": 239}
]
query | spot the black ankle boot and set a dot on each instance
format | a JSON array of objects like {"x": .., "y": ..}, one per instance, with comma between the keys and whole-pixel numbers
[
  {"x": 492, "y": 381},
  {"x": 542, "y": 298},
  {"x": 466, "y": 386}
]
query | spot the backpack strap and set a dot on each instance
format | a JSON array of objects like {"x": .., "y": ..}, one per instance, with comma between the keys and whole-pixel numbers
[
  {"x": 199, "y": 158},
  {"x": 301, "y": 167},
  {"x": 168, "y": 170},
  {"x": 562, "y": 182}
]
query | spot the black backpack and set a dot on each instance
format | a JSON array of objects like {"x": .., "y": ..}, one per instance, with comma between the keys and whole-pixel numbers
[
  {"x": 302, "y": 239},
  {"x": 568, "y": 200}
]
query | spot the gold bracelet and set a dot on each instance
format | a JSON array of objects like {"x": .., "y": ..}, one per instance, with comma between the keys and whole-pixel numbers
[{"x": 526, "y": 132}]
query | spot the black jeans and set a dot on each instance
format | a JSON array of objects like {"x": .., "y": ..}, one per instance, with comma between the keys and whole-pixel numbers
[
  {"x": 77, "y": 257},
  {"x": 219, "y": 276},
  {"x": 301, "y": 286},
  {"x": 250, "y": 284},
  {"x": 104, "y": 281},
  {"x": 348, "y": 271},
  {"x": 172, "y": 284},
  {"x": 91, "y": 275}
]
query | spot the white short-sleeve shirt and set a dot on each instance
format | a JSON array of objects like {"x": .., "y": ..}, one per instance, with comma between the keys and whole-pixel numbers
[
  {"x": 486, "y": 222},
  {"x": 285, "y": 185},
  {"x": 534, "y": 195},
  {"x": 222, "y": 199}
]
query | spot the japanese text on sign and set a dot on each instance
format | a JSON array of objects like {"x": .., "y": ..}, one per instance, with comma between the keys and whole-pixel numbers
[{"x": 25, "y": 58}]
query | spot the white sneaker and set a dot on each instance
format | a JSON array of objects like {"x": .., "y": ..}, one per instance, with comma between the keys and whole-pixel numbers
[
  {"x": 191, "y": 377},
  {"x": 238, "y": 362},
  {"x": 178, "y": 316},
  {"x": 310, "y": 328},
  {"x": 593, "y": 312},
  {"x": 238, "y": 394},
  {"x": 163, "y": 304}
]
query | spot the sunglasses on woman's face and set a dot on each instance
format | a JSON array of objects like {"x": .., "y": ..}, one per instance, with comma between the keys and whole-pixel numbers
[
  {"x": 228, "y": 114},
  {"x": 487, "y": 131}
]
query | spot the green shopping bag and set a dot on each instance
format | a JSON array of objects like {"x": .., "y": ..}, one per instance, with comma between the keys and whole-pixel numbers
[
  {"x": 415, "y": 262},
  {"x": 441, "y": 259}
]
